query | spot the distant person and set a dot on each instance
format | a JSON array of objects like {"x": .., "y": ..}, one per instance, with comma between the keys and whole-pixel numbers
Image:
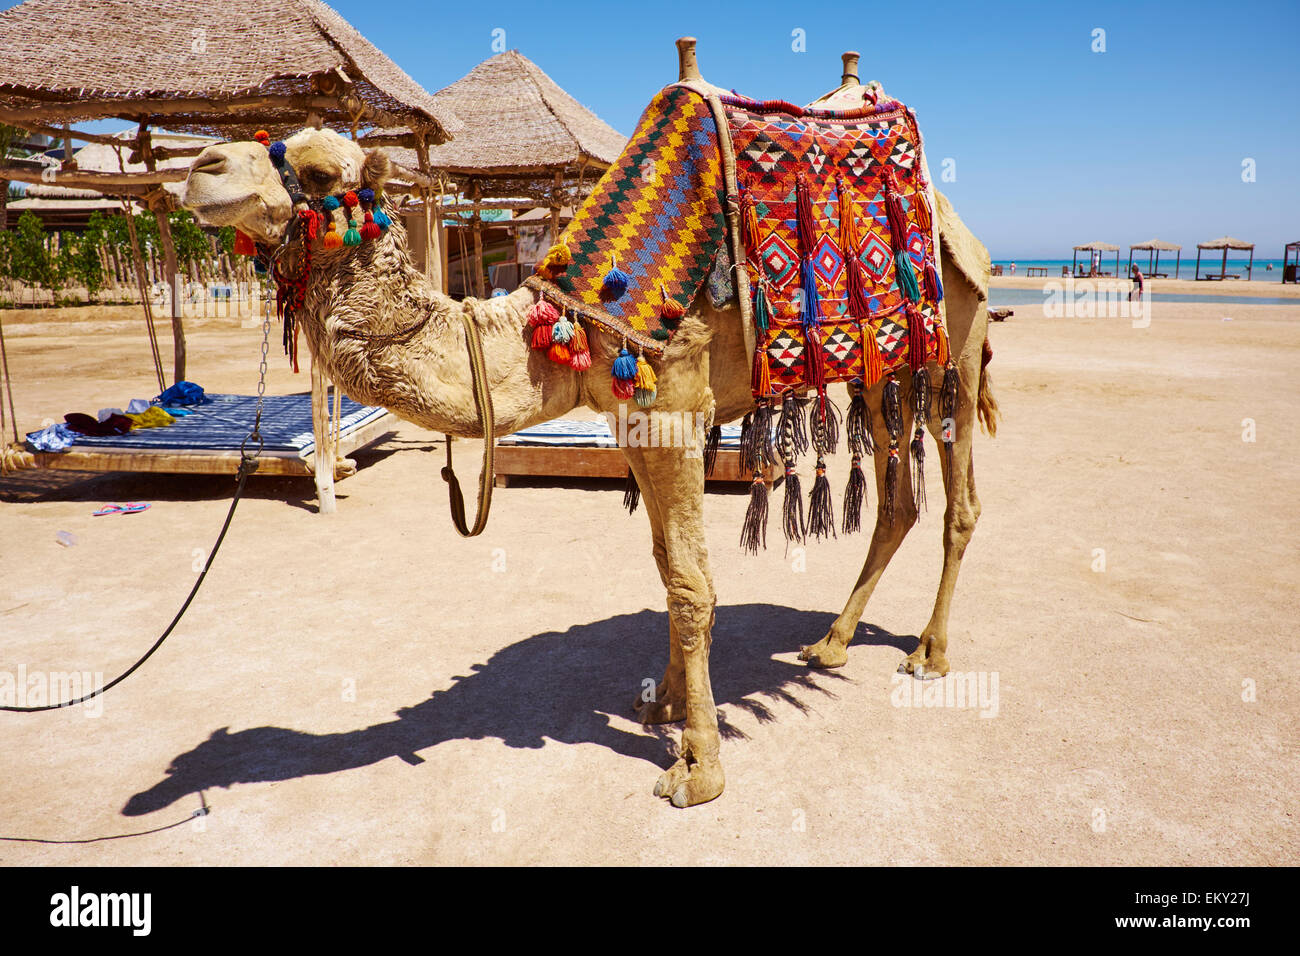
[
  {"x": 1013, "y": 266},
  {"x": 1139, "y": 284},
  {"x": 1096, "y": 263}
]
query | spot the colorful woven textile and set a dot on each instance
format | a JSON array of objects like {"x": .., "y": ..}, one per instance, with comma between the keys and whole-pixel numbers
[
  {"x": 861, "y": 154},
  {"x": 657, "y": 213}
]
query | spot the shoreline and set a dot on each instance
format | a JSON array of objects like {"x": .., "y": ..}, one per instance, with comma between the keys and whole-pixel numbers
[{"x": 1175, "y": 286}]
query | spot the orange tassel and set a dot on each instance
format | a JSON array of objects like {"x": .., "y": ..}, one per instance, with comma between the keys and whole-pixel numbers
[
  {"x": 941, "y": 345},
  {"x": 761, "y": 379},
  {"x": 559, "y": 353},
  {"x": 579, "y": 341},
  {"x": 873, "y": 361}
]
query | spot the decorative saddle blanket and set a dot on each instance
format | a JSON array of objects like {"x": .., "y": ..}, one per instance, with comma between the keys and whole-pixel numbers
[{"x": 837, "y": 235}]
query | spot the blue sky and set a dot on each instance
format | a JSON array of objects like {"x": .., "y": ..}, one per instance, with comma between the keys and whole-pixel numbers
[{"x": 1052, "y": 143}]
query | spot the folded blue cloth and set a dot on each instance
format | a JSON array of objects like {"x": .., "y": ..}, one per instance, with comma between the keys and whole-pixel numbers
[
  {"x": 54, "y": 438},
  {"x": 182, "y": 393}
]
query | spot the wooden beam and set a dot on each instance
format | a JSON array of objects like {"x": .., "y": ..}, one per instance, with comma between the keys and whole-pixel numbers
[{"x": 101, "y": 182}]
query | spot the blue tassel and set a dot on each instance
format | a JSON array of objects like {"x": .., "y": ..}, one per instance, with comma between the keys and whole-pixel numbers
[
  {"x": 811, "y": 311},
  {"x": 277, "y": 151},
  {"x": 624, "y": 366},
  {"x": 762, "y": 311},
  {"x": 381, "y": 219},
  {"x": 562, "y": 330},
  {"x": 367, "y": 196},
  {"x": 615, "y": 282},
  {"x": 330, "y": 203}
]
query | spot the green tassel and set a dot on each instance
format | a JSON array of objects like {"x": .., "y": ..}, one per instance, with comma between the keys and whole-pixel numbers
[
  {"x": 762, "y": 312},
  {"x": 352, "y": 237},
  {"x": 906, "y": 277}
]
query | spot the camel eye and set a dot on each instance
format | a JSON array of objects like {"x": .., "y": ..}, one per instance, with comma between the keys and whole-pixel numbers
[{"x": 317, "y": 179}]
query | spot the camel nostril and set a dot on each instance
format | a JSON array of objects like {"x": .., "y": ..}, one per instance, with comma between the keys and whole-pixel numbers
[{"x": 215, "y": 164}]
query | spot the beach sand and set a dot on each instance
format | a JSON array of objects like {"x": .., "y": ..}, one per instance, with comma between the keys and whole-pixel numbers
[{"x": 369, "y": 688}]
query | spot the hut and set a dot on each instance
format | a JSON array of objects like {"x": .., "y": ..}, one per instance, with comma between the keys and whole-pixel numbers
[
  {"x": 1225, "y": 243},
  {"x": 1153, "y": 248},
  {"x": 1090, "y": 248},
  {"x": 1289, "y": 252},
  {"x": 527, "y": 144},
  {"x": 252, "y": 64}
]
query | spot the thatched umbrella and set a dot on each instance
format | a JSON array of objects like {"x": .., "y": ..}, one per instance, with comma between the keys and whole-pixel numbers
[
  {"x": 1225, "y": 243},
  {"x": 1153, "y": 248},
  {"x": 526, "y": 143},
  {"x": 227, "y": 69},
  {"x": 1291, "y": 249},
  {"x": 1091, "y": 247}
]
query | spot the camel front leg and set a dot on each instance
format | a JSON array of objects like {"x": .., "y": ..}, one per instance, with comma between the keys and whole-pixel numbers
[
  {"x": 668, "y": 703},
  {"x": 930, "y": 659},
  {"x": 674, "y": 480},
  {"x": 831, "y": 650}
]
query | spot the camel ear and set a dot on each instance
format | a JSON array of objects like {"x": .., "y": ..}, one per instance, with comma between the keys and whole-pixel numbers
[{"x": 376, "y": 169}]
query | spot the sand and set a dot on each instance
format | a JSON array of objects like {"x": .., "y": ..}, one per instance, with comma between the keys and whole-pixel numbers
[{"x": 369, "y": 688}]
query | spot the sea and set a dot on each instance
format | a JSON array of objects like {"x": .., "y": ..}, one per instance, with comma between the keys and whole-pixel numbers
[{"x": 1186, "y": 268}]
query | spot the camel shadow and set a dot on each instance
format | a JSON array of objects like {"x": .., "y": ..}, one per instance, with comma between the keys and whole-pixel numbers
[{"x": 524, "y": 695}]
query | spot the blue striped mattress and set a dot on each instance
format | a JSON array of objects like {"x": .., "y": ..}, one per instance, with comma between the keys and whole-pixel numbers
[
  {"x": 579, "y": 433},
  {"x": 222, "y": 424}
]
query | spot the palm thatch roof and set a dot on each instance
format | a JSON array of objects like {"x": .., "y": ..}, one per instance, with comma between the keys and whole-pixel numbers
[
  {"x": 1157, "y": 244},
  {"x": 520, "y": 130},
  {"x": 244, "y": 64},
  {"x": 1099, "y": 246},
  {"x": 1225, "y": 242}
]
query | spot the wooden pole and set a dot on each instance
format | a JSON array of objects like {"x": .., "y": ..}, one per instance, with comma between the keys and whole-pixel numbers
[{"x": 432, "y": 219}]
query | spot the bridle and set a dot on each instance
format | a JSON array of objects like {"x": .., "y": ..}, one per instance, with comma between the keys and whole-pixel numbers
[{"x": 304, "y": 226}]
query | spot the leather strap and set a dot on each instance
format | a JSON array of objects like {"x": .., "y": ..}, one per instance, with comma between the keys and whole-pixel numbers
[{"x": 483, "y": 399}]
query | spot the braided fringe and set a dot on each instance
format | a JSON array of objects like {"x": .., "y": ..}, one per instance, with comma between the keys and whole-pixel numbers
[
  {"x": 918, "y": 467},
  {"x": 948, "y": 409},
  {"x": 824, "y": 425},
  {"x": 711, "y": 449},
  {"x": 792, "y": 522},
  {"x": 821, "y": 514},
  {"x": 891, "y": 408},
  {"x": 631, "y": 493},
  {"x": 857, "y": 423},
  {"x": 753, "y": 534},
  {"x": 764, "y": 449},
  {"x": 921, "y": 396},
  {"x": 760, "y": 382},
  {"x": 854, "y": 497},
  {"x": 791, "y": 432}
]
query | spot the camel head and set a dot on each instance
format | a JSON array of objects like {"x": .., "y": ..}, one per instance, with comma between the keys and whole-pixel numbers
[{"x": 236, "y": 184}]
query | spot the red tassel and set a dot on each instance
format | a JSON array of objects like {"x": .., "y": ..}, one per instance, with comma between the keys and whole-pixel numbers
[
  {"x": 244, "y": 244},
  {"x": 541, "y": 337},
  {"x": 917, "y": 340},
  {"x": 814, "y": 359},
  {"x": 542, "y": 312},
  {"x": 807, "y": 231},
  {"x": 623, "y": 388}
]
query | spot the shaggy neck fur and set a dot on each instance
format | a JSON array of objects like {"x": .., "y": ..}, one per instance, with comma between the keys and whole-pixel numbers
[{"x": 374, "y": 289}]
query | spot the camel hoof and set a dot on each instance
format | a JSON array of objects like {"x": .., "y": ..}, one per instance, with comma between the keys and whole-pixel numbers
[
  {"x": 825, "y": 654},
  {"x": 923, "y": 669},
  {"x": 671, "y": 778}
]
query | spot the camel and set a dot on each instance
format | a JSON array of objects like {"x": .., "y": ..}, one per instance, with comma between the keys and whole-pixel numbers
[{"x": 704, "y": 375}]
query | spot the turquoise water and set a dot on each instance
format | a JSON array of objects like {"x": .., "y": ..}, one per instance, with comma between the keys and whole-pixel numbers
[
  {"x": 1186, "y": 269},
  {"x": 1004, "y": 298}
]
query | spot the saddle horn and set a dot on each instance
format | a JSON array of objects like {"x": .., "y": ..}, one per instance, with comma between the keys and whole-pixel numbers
[
  {"x": 687, "y": 67},
  {"x": 850, "y": 74}
]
